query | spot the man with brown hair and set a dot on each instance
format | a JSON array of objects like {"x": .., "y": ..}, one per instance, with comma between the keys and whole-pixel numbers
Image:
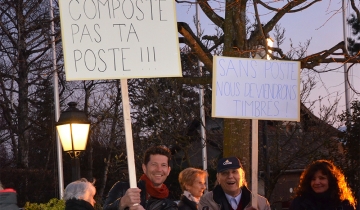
[{"x": 152, "y": 193}]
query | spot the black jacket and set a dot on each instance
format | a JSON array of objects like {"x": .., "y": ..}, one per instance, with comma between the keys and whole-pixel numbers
[
  {"x": 186, "y": 204},
  {"x": 318, "y": 202},
  {"x": 119, "y": 189},
  {"x": 75, "y": 204}
]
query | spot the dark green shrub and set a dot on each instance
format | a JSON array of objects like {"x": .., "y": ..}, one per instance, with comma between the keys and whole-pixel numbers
[{"x": 53, "y": 204}]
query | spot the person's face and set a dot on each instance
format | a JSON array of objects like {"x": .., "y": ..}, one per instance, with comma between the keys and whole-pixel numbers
[
  {"x": 319, "y": 182},
  {"x": 157, "y": 169},
  {"x": 198, "y": 186},
  {"x": 89, "y": 196},
  {"x": 230, "y": 181}
]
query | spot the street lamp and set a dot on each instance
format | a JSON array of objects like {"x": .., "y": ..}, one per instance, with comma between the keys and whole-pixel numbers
[{"x": 73, "y": 128}]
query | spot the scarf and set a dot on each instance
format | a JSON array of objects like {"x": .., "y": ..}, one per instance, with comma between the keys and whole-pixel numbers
[
  {"x": 191, "y": 197},
  {"x": 160, "y": 193}
]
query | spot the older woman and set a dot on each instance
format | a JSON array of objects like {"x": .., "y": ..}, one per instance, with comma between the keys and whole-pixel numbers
[
  {"x": 79, "y": 195},
  {"x": 323, "y": 186},
  {"x": 192, "y": 182}
]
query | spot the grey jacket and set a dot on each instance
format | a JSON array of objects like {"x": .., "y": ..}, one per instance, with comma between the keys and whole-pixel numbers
[
  {"x": 216, "y": 200},
  {"x": 8, "y": 200}
]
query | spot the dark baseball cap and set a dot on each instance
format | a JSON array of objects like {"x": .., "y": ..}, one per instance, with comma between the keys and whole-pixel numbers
[{"x": 228, "y": 163}]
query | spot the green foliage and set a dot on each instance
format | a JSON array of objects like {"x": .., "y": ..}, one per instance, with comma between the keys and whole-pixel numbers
[
  {"x": 53, "y": 204},
  {"x": 350, "y": 138},
  {"x": 353, "y": 44}
]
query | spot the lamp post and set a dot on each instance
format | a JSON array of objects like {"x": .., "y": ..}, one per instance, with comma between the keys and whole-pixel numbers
[{"x": 73, "y": 128}]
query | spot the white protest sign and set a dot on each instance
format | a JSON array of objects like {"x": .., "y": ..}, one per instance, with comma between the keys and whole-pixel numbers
[
  {"x": 256, "y": 89},
  {"x": 113, "y": 39}
]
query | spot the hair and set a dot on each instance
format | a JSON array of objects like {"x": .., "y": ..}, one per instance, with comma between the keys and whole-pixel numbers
[
  {"x": 188, "y": 176},
  {"x": 77, "y": 189},
  {"x": 241, "y": 172},
  {"x": 157, "y": 150},
  {"x": 338, "y": 188},
  {"x": 242, "y": 177}
]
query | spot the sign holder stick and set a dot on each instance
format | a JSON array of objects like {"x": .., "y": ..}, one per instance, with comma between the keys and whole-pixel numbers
[
  {"x": 128, "y": 133},
  {"x": 254, "y": 161}
]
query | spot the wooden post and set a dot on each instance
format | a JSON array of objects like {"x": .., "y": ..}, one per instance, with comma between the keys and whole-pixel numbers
[
  {"x": 128, "y": 133},
  {"x": 254, "y": 161}
]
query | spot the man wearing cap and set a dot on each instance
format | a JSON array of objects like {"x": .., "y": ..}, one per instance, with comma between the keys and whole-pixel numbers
[{"x": 231, "y": 192}]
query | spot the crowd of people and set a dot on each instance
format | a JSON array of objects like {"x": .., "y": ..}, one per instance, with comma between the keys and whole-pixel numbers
[{"x": 322, "y": 187}]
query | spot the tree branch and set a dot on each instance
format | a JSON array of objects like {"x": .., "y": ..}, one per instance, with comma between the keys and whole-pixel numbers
[
  {"x": 209, "y": 12},
  {"x": 290, "y": 11},
  {"x": 356, "y": 10},
  {"x": 195, "y": 44}
]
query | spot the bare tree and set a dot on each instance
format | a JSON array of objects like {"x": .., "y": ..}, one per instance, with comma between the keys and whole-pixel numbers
[
  {"x": 24, "y": 50},
  {"x": 239, "y": 38},
  {"x": 26, "y": 99}
]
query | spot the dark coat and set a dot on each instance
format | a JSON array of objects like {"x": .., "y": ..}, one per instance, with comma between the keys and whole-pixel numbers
[
  {"x": 119, "y": 189},
  {"x": 316, "y": 201},
  {"x": 220, "y": 198},
  {"x": 75, "y": 204},
  {"x": 186, "y": 204},
  {"x": 8, "y": 200}
]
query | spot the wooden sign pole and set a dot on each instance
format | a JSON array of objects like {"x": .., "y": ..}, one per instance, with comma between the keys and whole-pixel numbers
[
  {"x": 128, "y": 133},
  {"x": 254, "y": 162}
]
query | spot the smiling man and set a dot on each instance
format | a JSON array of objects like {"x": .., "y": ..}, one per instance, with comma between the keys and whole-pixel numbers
[
  {"x": 151, "y": 193},
  {"x": 231, "y": 192}
]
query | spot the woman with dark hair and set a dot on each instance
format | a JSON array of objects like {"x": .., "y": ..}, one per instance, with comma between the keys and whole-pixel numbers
[
  {"x": 322, "y": 187},
  {"x": 192, "y": 182}
]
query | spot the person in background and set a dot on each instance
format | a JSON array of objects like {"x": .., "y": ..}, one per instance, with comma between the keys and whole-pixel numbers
[
  {"x": 79, "y": 195},
  {"x": 8, "y": 199},
  {"x": 231, "y": 192},
  {"x": 323, "y": 186},
  {"x": 151, "y": 192},
  {"x": 193, "y": 183}
]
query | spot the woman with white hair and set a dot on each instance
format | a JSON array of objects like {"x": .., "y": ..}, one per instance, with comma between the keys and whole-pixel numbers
[{"x": 79, "y": 195}]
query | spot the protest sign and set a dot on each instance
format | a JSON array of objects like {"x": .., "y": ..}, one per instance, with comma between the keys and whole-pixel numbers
[
  {"x": 256, "y": 89},
  {"x": 110, "y": 39}
]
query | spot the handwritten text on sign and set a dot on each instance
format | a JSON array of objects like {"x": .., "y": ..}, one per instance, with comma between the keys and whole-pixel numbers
[
  {"x": 256, "y": 89},
  {"x": 113, "y": 39}
]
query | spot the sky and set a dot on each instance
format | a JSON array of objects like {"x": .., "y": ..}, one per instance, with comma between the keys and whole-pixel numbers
[{"x": 322, "y": 23}]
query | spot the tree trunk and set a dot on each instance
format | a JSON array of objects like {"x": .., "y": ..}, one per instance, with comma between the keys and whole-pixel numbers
[
  {"x": 23, "y": 110},
  {"x": 236, "y": 132}
]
